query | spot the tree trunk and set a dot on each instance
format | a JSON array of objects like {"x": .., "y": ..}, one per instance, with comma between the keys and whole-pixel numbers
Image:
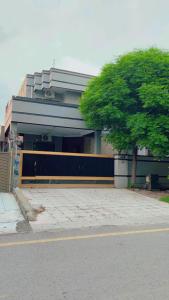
[{"x": 134, "y": 168}]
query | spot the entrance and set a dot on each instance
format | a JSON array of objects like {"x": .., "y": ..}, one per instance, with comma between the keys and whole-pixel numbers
[
  {"x": 73, "y": 144},
  {"x": 44, "y": 146},
  {"x": 63, "y": 169}
]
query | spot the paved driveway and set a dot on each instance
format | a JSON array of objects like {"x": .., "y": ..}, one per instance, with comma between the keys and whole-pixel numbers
[{"x": 77, "y": 208}]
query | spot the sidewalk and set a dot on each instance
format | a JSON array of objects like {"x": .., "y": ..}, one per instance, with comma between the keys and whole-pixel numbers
[{"x": 10, "y": 214}]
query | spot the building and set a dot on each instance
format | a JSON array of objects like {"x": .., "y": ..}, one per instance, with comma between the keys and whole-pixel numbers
[
  {"x": 2, "y": 138},
  {"x": 45, "y": 115}
]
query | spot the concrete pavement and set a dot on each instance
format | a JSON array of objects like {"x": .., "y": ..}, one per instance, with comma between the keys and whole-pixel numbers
[
  {"x": 10, "y": 215},
  {"x": 122, "y": 267},
  {"x": 80, "y": 208}
]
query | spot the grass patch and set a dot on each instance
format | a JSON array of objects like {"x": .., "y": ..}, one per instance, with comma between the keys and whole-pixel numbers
[{"x": 165, "y": 199}]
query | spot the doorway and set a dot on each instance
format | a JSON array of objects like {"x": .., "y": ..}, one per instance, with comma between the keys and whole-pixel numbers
[
  {"x": 73, "y": 144},
  {"x": 44, "y": 146}
]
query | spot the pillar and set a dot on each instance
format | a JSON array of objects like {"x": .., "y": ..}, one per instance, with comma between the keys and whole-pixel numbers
[
  {"x": 97, "y": 144},
  {"x": 14, "y": 155},
  {"x": 13, "y": 137},
  {"x": 121, "y": 171}
]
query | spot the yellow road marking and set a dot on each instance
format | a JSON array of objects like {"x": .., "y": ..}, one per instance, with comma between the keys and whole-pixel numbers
[{"x": 82, "y": 237}]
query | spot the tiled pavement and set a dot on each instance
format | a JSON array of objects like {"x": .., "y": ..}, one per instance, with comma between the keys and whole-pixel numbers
[
  {"x": 10, "y": 213},
  {"x": 77, "y": 208}
]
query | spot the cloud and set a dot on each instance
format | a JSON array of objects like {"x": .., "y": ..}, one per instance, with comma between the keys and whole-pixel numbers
[
  {"x": 4, "y": 36},
  {"x": 4, "y": 94},
  {"x": 74, "y": 64},
  {"x": 81, "y": 35}
]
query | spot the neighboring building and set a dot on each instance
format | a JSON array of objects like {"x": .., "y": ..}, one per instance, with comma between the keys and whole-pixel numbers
[
  {"x": 45, "y": 115},
  {"x": 2, "y": 138}
]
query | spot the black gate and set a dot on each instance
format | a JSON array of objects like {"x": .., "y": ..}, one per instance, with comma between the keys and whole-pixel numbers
[{"x": 49, "y": 168}]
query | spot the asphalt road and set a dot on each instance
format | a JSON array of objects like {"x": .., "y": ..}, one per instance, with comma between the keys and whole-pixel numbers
[{"x": 113, "y": 263}]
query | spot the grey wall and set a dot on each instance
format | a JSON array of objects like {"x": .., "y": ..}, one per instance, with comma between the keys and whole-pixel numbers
[
  {"x": 53, "y": 78},
  {"x": 146, "y": 165},
  {"x": 72, "y": 97},
  {"x": 46, "y": 114},
  {"x": 46, "y": 109},
  {"x": 2, "y": 133},
  {"x": 89, "y": 142}
]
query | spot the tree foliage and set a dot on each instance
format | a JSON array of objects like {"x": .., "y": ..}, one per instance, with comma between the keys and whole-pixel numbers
[{"x": 130, "y": 99}]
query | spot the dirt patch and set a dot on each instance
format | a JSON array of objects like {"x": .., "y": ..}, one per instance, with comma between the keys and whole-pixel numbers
[
  {"x": 23, "y": 226},
  {"x": 39, "y": 210}
]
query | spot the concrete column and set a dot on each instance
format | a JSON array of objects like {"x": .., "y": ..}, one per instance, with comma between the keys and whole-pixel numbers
[
  {"x": 15, "y": 170},
  {"x": 97, "y": 144},
  {"x": 14, "y": 155},
  {"x": 121, "y": 171},
  {"x": 13, "y": 137}
]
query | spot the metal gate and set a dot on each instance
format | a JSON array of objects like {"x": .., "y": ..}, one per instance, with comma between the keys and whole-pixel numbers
[
  {"x": 5, "y": 171},
  {"x": 59, "y": 169}
]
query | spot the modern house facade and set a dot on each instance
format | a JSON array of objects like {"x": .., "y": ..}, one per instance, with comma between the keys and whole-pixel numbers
[{"x": 45, "y": 115}]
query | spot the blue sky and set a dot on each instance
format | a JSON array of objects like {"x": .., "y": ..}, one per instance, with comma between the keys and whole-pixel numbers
[{"x": 81, "y": 35}]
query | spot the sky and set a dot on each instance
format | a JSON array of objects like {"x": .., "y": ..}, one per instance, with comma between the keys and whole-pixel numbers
[{"x": 77, "y": 35}]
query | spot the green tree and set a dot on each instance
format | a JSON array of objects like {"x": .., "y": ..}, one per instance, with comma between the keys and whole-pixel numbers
[{"x": 130, "y": 99}]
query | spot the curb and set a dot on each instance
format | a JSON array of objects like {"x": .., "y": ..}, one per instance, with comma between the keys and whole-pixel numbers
[{"x": 25, "y": 206}]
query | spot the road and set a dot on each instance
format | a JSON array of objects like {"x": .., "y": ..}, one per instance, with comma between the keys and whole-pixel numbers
[{"x": 91, "y": 264}]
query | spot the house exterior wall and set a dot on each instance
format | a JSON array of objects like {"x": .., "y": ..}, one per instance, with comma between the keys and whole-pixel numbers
[
  {"x": 2, "y": 133},
  {"x": 30, "y": 112},
  {"x": 146, "y": 165},
  {"x": 89, "y": 144},
  {"x": 22, "y": 91},
  {"x": 149, "y": 165},
  {"x": 2, "y": 138},
  {"x": 29, "y": 140},
  {"x": 5, "y": 171},
  {"x": 121, "y": 172},
  {"x": 49, "y": 98},
  {"x": 8, "y": 114},
  {"x": 105, "y": 147},
  {"x": 72, "y": 97},
  {"x": 45, "y": 109},
  {"x": 48, "y": 83}
]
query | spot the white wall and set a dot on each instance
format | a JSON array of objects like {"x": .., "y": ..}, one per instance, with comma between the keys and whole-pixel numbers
[{"x": 120, "y": 172}]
